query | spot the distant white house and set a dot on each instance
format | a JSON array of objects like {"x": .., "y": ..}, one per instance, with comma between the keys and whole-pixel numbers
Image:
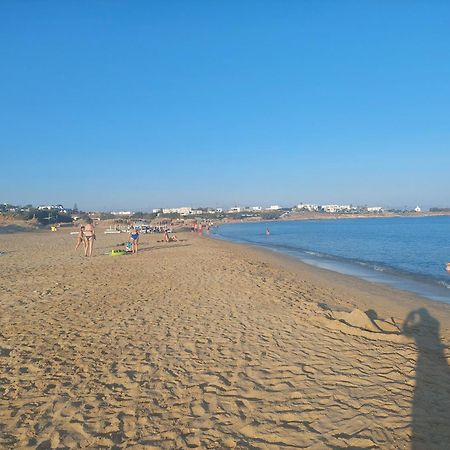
[
  {"x": 214, "y": 210},
  {"x": 307, "y": 207},
  {"x": 50, "y": 207},
  {"x": 273, "y": 208},
  {"x": 336, "y": 208},
  {"x": 183, "y": 211},
  {"x": 417, "y": 209},
  {"x": 122, "y": 213},
  {"x": 187, "y": 211},
  {"x": 375, "y": 209},
  {"x": 330, "y": 208},
  {"x": 235, "y": 209}
]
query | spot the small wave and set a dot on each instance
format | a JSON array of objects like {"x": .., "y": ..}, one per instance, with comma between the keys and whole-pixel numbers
[
  {"x": 369, "y": 265},
  {"x": 366, "y": 264},
  {"x": 313, "y": 253},
  {"x": 445, "y": 284}
]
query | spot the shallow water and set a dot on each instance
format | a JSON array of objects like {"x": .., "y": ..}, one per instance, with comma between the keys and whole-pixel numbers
[{"x": 408, "y": 253}]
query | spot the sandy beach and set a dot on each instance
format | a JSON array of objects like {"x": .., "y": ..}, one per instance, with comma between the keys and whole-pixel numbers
[{"x": 207, "y": 344}]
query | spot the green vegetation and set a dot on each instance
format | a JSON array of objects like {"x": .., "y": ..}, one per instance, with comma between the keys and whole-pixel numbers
[
  {"x": 271, "y": 215},
  {"x": 106, "y": 216},
  {"x": 53, "y": 216},
  {"x": 41, "y": 216},
  {"x": 143, "y": 216},
  {"x": 446, "y": 210}
]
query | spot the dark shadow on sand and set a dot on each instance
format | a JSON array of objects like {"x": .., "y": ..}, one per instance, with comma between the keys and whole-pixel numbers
[
  {"x": 431, "y": 403},
  {"x": 160, "y": 247}
]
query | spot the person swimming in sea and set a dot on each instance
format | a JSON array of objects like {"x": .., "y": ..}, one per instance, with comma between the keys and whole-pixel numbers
[
  {"x": 447, "y": 268},
  {"x": 134, "y": 238},
  {"x": 267, "y": 232}
]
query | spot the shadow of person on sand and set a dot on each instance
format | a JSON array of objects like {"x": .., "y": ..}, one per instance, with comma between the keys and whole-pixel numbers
[
  {"x": 431, "y": 403},
  {"x": 162, "y": 247}
]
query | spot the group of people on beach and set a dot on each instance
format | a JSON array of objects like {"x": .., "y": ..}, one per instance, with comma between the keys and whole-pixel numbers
[
  {"x": 86, "y": 236},
  {"x": 199, "y": 227}
]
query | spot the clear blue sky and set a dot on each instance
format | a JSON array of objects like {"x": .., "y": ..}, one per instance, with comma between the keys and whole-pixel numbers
[{"x": 140, "y": 104}]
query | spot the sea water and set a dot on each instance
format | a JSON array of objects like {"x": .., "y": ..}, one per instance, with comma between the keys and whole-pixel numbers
[{"x": 408, "y": 253}]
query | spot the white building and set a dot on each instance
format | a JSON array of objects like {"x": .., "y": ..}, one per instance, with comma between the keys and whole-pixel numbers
[
  {"x": 274, "y": 208},
  {"x": 235, "y": 209},
  {"x": 307, "y": 207},
  {"x": 122, "y": 213},
  {"x": 375, "y": 209},
  {"x": 183, "y": 211},
  {"x": 256, "y": 208},
  {"x": 50, "y": 207},
  {"x": 336, "y": 208},
  {"x": 417, "y": 209}
]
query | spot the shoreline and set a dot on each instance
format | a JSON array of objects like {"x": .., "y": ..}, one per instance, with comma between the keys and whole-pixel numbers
[
  {"x": 204, "y": 344},
  {"x": 378, "y": 292},
  {"x": 425, "y": 286}
]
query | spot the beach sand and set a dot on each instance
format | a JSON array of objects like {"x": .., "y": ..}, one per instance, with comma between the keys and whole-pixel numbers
[{"x": 208, "y": 344}]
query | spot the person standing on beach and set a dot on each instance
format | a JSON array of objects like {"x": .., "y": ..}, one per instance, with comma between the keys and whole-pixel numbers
[
  {"x": 80, "y": 238},
  {"x": 89, "y": 236},
  {"x": 134, "y": 238}
]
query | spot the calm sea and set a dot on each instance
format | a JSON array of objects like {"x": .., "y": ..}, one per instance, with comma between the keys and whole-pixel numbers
[{"x": 407, "y": 253}]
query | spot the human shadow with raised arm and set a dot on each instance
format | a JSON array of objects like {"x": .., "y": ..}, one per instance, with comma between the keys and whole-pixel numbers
[{"x": 431, "y": 403}]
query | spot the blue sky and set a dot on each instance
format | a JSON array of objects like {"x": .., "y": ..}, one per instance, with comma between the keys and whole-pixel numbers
[{"x": 141, "y": 104}]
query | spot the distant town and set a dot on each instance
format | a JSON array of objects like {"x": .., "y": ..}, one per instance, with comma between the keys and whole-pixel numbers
[{"x": 57, "y": 213}]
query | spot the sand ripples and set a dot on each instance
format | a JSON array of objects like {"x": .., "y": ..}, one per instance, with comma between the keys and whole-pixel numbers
[{"x": 197, "y": 346}]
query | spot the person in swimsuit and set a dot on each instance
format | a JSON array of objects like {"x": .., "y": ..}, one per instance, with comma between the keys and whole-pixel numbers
[
  {"x": 80, "y": 238},
  {"x": 134, "y": 238},
  {"x": 89, "y": 236},
  {"x": 170, "y": 238}
]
